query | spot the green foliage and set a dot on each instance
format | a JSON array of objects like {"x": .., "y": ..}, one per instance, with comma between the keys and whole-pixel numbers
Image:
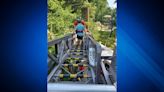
[
  {"x": 101, "y": 10},
  {"x": 59, "y": 19},
  {"x": 51, "y": 49},
  {"x": 62, "y": 13},
  {"x": 103, "y": 37},
  {"x": 113, "y": 14}
]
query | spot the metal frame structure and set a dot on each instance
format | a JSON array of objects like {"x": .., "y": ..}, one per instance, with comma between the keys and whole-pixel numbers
[
  {"x": 92, "y": 74},
  {"x": 56, "y": 87}
]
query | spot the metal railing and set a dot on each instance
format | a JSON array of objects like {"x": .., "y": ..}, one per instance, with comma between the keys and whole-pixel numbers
[
  {"x": 62, "y": 47},
  {"x": 94, "y": 53}
]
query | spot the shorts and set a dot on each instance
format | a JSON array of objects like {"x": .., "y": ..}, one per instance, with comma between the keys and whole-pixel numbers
[{"x": 79, "y": 37}]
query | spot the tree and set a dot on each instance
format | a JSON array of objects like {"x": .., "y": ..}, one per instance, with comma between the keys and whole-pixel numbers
[
  {"x": 62, "y": 13},
  {"x": 59, "y": 19}
]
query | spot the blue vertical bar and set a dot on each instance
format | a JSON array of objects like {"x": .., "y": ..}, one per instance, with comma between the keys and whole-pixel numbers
[
  {"x": 140, "y": 46},
  {"x": 24, "y": 46}
]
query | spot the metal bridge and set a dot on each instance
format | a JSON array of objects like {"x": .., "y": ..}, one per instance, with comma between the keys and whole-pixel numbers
[{"x": 84, "y": 69}]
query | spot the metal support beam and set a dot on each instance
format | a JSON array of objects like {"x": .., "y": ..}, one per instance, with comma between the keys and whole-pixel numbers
[
  {"x": 57, "y": 87},
  {"x": 53, "y": 58},
  {"x": 52, "y": 73},
  {"x": 106, "y": 73}
]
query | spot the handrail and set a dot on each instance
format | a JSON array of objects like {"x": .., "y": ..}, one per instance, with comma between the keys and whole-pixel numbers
[
  {"x": 91, "y": 43},
  {"x": 56, "y": 41},
  {"x": 60, "y": 45}
]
